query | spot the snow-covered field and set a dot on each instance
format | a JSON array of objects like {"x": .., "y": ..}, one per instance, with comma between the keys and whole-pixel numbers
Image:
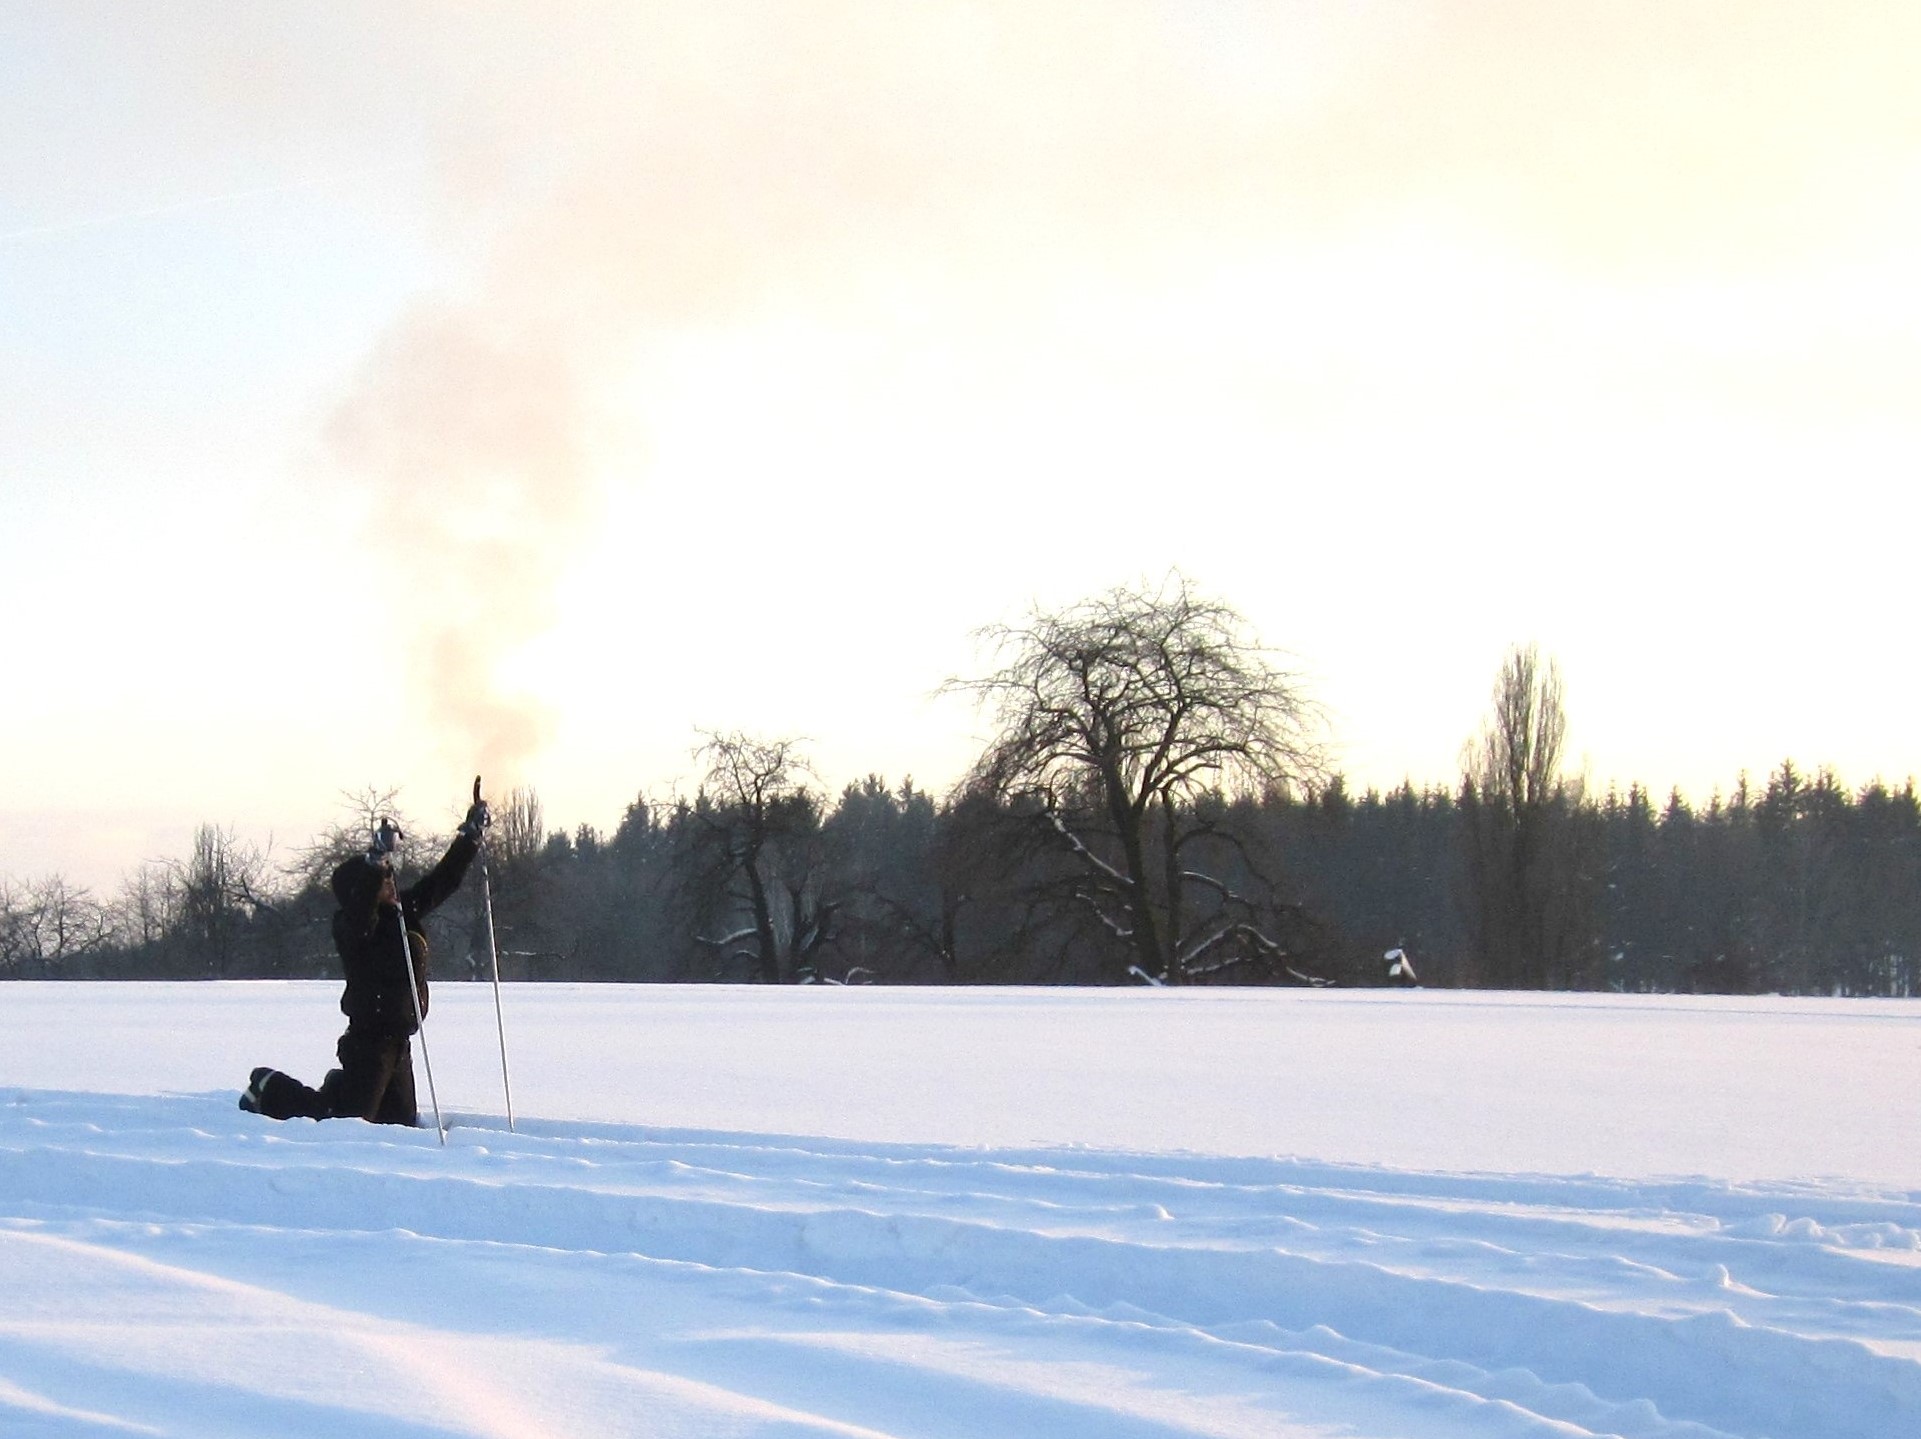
[{"x": 1094, "y": 1215}]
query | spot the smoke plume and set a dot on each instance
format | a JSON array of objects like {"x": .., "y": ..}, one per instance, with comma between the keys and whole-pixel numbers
[
  {"x": 467, "y": 437},
  {"x": 622, "y": 171}
]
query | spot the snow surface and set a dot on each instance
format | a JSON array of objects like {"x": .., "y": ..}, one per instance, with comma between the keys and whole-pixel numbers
[{"x": 1123, "y": 1214}]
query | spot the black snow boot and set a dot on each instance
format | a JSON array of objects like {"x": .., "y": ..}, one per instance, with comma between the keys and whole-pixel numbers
[{"x": 256, "y": 1089}]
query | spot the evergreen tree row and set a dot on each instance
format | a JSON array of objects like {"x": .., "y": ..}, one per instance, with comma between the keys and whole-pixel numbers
[{"x": 1803, "y": 886}]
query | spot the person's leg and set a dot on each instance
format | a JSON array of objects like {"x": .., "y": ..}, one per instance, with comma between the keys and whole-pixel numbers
[
  {"x": 281, "y": 1096},
  {"x": 365, "y": 1074},
  {"x": 401, "y": 1104}
]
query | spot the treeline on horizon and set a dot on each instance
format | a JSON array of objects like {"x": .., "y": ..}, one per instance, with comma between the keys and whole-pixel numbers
[
  {"x": 1800, "y": 887},
  {"x": 1153, "y": 808}
]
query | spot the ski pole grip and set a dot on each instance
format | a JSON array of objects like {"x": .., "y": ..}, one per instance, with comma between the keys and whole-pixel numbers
[{"x": 474, "y": 826}]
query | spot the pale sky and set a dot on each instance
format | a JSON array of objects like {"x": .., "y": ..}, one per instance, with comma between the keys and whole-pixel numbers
[{"x": 394, "y": 391}]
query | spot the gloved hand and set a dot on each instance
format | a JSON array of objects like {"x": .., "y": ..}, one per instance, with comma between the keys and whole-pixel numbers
[
  {"x": 477, "y": 820},
  {"x": 386, "y": 840}
]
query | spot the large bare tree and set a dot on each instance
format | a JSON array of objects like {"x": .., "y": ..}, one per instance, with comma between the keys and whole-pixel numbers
[{"x": 1125, "y": 721}]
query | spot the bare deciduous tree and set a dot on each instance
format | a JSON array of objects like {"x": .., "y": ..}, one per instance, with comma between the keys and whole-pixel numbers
[
  {"x": 534, "y": 936},
  {"x": 220, "y": 886},
  {"x": 47, "y": 925},
  {"x": 1531, "y": 901},
  {"x": 758, "y": 809},
  {"x": 518, "y": 833},
  {"x": 1119, "y": 716},
  {"x": 363, "y": 809},
  {"x": 149, "y": 905}
]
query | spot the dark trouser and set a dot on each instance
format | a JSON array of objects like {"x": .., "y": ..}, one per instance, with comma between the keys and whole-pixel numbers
[{"x": 375, "y": 1082}]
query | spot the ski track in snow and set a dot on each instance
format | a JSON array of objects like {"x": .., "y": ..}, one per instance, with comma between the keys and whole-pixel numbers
[{"x": 171, "y": 1266}]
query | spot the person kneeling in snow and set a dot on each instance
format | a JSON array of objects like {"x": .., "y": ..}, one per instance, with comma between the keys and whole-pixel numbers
[{"x": 375, "y": 1080}]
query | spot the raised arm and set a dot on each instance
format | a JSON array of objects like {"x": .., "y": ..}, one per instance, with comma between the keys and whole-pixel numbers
[{"x": 437, "y": 885}]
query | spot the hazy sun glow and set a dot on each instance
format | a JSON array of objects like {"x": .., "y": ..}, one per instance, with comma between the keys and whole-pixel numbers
[{"x": 393, "y": 391}]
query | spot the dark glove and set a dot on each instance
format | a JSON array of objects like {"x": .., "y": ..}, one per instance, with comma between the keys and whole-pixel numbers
[
  {"x": 386, "y": 840},
  {"x": 477, "y": 820}
]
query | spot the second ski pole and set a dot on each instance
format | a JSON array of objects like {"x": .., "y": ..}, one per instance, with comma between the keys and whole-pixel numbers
[
  {"x": 420, "y": 1021},
  {"x": 493, "y": 956}
]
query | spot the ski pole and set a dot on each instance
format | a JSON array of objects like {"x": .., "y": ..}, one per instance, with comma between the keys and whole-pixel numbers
[
  {"x": 420, "y": 1020},
  {"x": 500, "y": 1019},
  {"x": 493, "y": 954},
  {"x": 492, "y": 950}
]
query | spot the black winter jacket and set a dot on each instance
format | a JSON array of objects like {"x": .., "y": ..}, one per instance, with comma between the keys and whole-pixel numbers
[{"x": 368, "y": 936}]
